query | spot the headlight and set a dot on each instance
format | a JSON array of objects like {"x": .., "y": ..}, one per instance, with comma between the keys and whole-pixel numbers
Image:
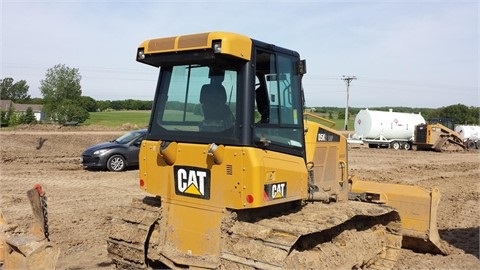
[
  {"x": 140, "y": 54},
  {"x": 217, "y": 46},
  {"x": 100, "y": 152}
]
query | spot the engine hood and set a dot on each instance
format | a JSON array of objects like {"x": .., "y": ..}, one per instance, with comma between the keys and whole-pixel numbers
[{"x": 104, "y": 145}]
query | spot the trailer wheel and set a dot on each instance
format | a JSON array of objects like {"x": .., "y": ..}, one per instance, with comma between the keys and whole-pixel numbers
[
  {"x": 407, "y": 146},
  {"x": 478, "y": 144},
  {"x": 395, "y": 145},
  {"x": 471, "y": 144}
]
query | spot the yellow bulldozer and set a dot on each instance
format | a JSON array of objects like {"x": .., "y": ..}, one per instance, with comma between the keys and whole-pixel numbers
[{"x": 240, "y": 177}]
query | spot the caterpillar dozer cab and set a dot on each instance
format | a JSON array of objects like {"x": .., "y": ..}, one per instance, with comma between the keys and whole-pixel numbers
[
  {"x": 239, "y": 177},
  {"x": 438, "y": 135}
]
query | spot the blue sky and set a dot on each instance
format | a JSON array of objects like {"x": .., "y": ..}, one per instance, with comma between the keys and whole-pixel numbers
[{"x": 404, "y": 53}]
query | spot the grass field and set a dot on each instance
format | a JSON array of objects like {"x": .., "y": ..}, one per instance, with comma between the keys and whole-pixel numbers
[
  {"x": 119, "y": 118},
  {"x": 141, "y": 118},
  {"x": 339, "y": 123}
]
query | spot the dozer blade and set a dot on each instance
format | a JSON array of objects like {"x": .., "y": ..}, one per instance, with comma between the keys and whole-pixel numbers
[
  {"x": 29, "y": 253},
  {"x": 417, "y": 208}
]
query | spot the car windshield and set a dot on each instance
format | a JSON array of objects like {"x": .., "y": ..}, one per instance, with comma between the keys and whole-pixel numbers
[{"x": 128, "y": 137}]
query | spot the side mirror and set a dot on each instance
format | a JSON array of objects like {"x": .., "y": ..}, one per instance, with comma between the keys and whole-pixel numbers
[{"x": 301, "y": 67}]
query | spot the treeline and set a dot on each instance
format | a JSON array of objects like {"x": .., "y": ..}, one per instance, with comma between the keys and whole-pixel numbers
[
  {"x": 92, "y": 105},
  {"x": 63, "y": 102},
  {"x": 118, "y": 105},
  {"x": 461, "y": 114}
]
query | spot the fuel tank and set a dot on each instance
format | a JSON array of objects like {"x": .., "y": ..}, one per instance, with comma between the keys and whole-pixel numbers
[{"x": 371, "y": 124}]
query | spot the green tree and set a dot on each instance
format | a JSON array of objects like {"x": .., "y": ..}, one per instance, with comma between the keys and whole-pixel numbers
[
  {"x": 28, "y": 117},
  {"x": 460, "y": 114},
  {"x": 70, "y": 112},
  {"x": 35, "y": 100},
  {"x": 116, "y": 105},
  {"x": 12, "y": 117},
  {"x": 129, "y": 104},
  {"x": 61, "y": 92},
  {"x": 16, "y": 92},
  {"x": 103, "y": 104},
  {"x": 3, "y": 118},
  {"x": 88, "y": 103}
]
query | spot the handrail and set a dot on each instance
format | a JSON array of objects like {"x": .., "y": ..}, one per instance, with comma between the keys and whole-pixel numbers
[{"x": 332, "y": 123}]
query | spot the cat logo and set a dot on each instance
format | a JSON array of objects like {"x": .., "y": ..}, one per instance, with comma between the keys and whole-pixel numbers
[
  {"x": 192, "y": 182},
  {"x": 275, "y": 191}
]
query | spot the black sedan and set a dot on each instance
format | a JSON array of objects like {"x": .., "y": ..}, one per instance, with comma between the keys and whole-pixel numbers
[{"x": 115, "y": 155}]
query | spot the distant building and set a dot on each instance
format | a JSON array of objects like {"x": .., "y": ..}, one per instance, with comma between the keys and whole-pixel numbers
[{"x": 20, "y": 109}]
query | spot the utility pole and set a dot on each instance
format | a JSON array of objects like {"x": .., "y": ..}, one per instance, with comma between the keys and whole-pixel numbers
[{"x": 347, "y": 80}]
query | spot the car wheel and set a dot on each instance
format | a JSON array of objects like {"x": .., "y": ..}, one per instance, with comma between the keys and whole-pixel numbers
[{"x": 116, "y": 163}]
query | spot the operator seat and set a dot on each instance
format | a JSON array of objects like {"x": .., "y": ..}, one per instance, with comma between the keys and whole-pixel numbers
[{"x": 216, "y": 113}]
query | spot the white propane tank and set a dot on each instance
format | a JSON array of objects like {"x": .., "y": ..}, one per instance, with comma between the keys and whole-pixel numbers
[
  {"x": 391, "y": 125},
  {"x": 468, "y": 132}
]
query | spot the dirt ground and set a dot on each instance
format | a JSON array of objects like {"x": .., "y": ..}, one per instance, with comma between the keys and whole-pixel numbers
[{"x": 81, "y": 203}]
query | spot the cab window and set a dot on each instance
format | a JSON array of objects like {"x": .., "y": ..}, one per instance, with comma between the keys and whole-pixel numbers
[{"x": 278, "y": 102}]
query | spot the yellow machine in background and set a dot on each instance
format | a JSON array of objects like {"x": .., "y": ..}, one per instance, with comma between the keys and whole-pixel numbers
[
  {"x": 241, "y": 178},
  {"x": 438, "y": 135}
]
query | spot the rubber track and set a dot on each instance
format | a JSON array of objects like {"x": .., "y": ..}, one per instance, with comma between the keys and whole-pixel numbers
[
  {"x": 449, "y": 144},
  {"x": 129, "y": 231},
  {"x": 345, "y": 235}
]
